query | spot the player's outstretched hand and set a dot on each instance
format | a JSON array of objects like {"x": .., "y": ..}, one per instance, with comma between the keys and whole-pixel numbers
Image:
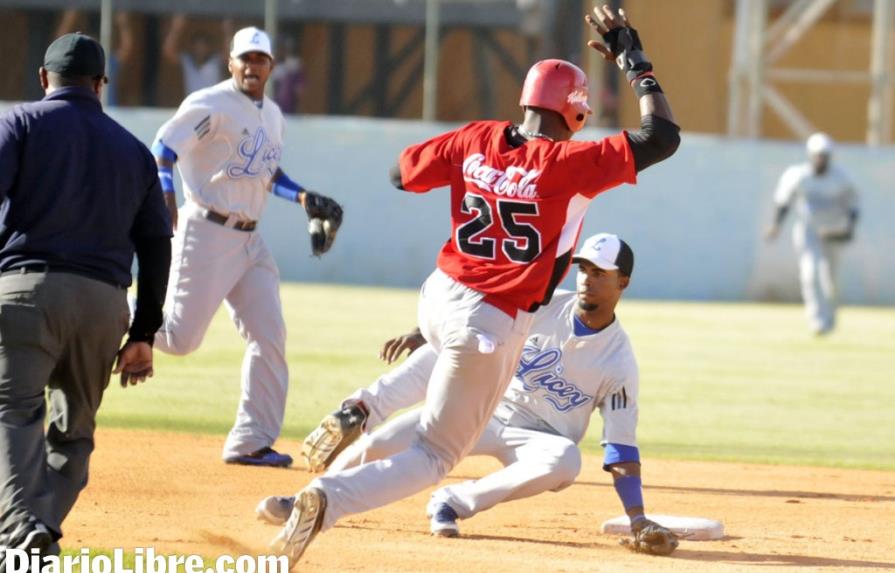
[
  {"x": 134, "y": 363},
  {"x": 393, "y": 348},
  {"x": 607, "y": 23}
]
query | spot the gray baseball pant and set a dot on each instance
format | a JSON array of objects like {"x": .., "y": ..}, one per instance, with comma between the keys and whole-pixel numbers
[
  {"x": 58, "y": 332},
  {"x": 818, "y": 266},
  {"x": 478, "y": 350},
  {"x": 212, "y": 264}
]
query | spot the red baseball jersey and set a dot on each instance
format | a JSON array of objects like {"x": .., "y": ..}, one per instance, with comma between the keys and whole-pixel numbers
[{"x": 516, "y": 212}]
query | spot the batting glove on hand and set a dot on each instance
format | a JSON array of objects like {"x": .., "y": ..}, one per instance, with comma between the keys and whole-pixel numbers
[
  {"x": 622, "y": 42},
  {"x": 651, "y": 538},
  {"x": 325, "y": 218}
]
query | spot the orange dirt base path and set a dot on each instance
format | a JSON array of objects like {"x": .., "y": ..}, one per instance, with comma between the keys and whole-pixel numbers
[{"x": 172, "y": 492}]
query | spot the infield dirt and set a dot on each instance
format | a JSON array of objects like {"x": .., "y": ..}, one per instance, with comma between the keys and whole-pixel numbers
[{"x": 172, "y": 492}]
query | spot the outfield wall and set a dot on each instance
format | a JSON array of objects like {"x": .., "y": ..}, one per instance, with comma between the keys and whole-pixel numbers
[{"x": 695, "y": 222}]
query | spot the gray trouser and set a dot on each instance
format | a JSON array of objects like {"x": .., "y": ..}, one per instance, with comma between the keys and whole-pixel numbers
[
  {"x": 212, "y": 263},
  {"x": 61, "y": 332},
  {"x": 478, "y": 350},
  {"x": 818, "y": 265}
]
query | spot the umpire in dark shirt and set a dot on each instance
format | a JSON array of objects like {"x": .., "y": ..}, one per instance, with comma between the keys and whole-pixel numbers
[{"x": 78, "y": 196}]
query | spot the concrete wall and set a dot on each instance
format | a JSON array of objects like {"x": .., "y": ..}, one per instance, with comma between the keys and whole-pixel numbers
[{"x": 695, "y": 222}]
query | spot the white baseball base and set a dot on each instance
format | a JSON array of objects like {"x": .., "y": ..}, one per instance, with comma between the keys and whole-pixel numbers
[{"x": 689, "y": 528}]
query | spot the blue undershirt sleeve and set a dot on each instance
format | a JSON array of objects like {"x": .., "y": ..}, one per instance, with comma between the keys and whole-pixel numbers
[
  {"x": 286, "y": 188},
  {"x": 618, "y": 453}
]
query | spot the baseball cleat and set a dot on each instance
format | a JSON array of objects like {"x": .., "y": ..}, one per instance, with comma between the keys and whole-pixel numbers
[
  {"x": 335, "y": 433},
  {"x": 443, "y": 520},
  {"x": 302, "y": 526},
  {"x": 275, "y": 509},
  {"x": 28, "y": 535},
  {"x": 263, "y": 457}
]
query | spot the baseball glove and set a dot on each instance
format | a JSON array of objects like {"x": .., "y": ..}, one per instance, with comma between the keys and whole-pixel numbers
[
  {"x": 325, "y": 218},
  {"x": 651, "y": 538},
  {"x": 839, "y": 236}
]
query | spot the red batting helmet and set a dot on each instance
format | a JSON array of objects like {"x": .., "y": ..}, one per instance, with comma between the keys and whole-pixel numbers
[{"x": 559, "y": 86}]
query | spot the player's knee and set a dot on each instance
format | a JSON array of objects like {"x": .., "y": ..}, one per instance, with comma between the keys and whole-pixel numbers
[
  {"x": 440, "y": 463},
  {"x": 179, "y": 345},
  {"x": 270, "y": 336},
  {"x": 567, "y": 463}
]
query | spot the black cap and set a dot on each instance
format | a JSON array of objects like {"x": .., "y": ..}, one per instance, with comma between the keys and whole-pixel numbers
[{"x": 76, "y": 55}]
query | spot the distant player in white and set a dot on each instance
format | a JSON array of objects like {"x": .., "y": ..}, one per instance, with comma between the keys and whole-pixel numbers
[
  {"x": 826, "y": 208},
  {"x": 227, "y": 141},
  {"x": 577, "y": 359}
]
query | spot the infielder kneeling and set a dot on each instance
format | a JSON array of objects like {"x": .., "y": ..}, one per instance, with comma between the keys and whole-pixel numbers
[{"x": 577, "y": 358}]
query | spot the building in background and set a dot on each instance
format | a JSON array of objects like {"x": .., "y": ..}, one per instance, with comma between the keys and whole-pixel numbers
[{"x": 365, "y": 57}]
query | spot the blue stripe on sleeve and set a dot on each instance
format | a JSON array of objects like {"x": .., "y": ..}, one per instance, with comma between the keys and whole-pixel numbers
[
  {"x": 618, "y": 453},
  {"x": 162, "y": 151}
]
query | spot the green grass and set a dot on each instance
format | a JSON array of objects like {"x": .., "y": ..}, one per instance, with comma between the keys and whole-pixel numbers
[{"x": 739, "y": 382}]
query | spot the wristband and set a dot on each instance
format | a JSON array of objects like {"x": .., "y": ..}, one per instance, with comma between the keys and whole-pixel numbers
[
  {"x": 645, "y": 84},
  {"x": 630, "y": 491},
  {"x": 286, "y": 188},
  {"x": 166, "y": 178}
]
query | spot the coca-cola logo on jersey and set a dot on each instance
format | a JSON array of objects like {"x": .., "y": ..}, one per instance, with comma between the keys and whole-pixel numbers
[{"x": 514, "y": 182}]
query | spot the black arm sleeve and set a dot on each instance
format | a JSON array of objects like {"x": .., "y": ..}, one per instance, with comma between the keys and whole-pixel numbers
[
  {"x": 780, "y": 214},
  {"x": 657, "y": 139},
  {"x": 154, "y": 260},
  {"x": 395, "y": 175}
]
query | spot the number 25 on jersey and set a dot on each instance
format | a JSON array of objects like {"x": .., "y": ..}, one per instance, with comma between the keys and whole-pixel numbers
[{"x": 523, "y": 241}]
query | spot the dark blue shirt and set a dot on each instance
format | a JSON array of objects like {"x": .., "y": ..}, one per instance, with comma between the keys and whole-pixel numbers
[{"x": 77, "y": 190}]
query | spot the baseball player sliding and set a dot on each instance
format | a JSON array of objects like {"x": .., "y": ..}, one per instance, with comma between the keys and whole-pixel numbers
[
  {"x": 227, "y": 142},
  {"x": 518, "y": 196},
  {"x": 577, "y": 358}
]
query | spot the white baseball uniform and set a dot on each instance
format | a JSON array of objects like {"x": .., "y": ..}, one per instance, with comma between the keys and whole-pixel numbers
[
  {"x": 228, "y": 150},
  {"x": 561, "y": 379},
  {"x": 822, "y": 205}
]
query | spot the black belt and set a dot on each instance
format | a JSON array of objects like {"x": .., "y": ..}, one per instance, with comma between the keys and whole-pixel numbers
[
  {"x": 48, "y": 268},
  {"x": 230, "y": 222}
]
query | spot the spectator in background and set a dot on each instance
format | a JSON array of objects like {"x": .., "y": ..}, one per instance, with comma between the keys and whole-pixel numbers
[
  {"x": 72, "y": 22},
  {"x": 288, "y": 77},
  {"x": 202, "y": 62},
  {"x": 826, "y": 208}
]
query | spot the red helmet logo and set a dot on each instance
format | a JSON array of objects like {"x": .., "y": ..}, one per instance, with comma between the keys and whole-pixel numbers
[{"x": 559, "y": 86}]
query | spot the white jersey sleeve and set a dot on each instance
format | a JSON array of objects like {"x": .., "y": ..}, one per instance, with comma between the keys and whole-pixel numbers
[
  {"x": 619, "y": 407},
  {"x": 849, "y": 199},
  {"x": 788, "y": 185},
  {"x": 195, "y": 121}
]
